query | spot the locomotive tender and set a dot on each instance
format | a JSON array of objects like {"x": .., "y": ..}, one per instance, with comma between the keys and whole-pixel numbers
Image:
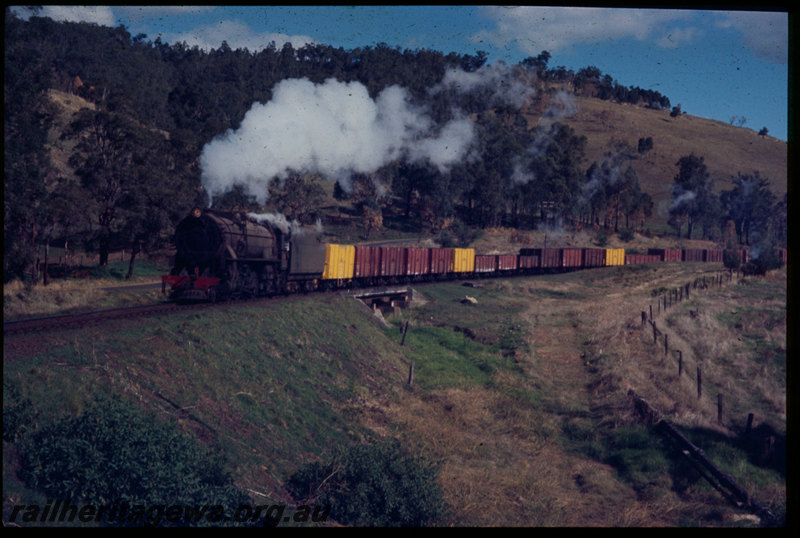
[{"x": 229, "y": 255}]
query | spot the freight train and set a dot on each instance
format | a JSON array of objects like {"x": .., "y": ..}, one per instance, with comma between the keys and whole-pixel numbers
[{"x": 228, "y": 255}]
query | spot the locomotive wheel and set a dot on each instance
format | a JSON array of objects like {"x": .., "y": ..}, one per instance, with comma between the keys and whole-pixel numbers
[{"x": 249, "y": 281}]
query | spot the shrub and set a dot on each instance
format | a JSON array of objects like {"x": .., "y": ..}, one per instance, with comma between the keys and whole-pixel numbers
[
  {"x": 18, "y": 412},
  {"x": 767, "y": 260},
  {"x": 626, "y": 235},
  {"x": 458, "y": 235},
  {"x": 731, "y": 259},
  {"x": 114, "y": 453},
  {"x": 373, "y": 485},
  {"x": 601, "y": 239}
]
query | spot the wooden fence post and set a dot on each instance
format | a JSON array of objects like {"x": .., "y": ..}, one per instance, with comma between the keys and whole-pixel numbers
[
  {"x": 405, "y": 330},
  {"x": 719, "y": 408},
  {"x": 655, "y": 333},
  {"x": 411, "y": 374},
  {"x": 666, "y": 344},
  {"x": 680, "y": 362},
  {"x": 699, "y": 383}
]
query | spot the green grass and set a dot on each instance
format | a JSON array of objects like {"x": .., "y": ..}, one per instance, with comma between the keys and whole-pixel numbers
[
  {"x": 270, "y": 379},
  {"x": 280, "y": 383},
  {"x": 446, "y": 358}
]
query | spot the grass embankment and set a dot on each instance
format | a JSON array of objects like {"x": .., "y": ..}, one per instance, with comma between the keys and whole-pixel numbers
[
  {"x": 521, "y": 396},
  {"x": 88, "y": 289}
]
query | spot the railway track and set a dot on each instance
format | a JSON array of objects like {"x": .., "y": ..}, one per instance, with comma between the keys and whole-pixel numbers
[
  {"x": 85, "y": 318},
  {"x": 59, "y": 321}
]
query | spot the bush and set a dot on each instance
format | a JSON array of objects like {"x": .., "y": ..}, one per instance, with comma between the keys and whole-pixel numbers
[
  {"x": 601, "y": 239},
  {"x": 731, "y": 259},
  {"x": 767, "y": 260},
  {"x": 18, "y": 412},
  {"x": 373, "y": 485},
  {"x": 458, "y": 235},
  {"x": 626, "y": 235},
  {"x": 114, "y": 453}
]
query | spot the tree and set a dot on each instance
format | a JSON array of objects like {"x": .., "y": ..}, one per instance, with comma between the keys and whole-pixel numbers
[
  {"x": 132, "y": 185},
  {"x": 552, "y": 165},
  {"x": 645, "y": 144},
  {"x": 611, "y": 189},
  {"x": 538, "y": 64},
  {"x": 26, "y": 165},
  {"x": 692, "y": 194},
  {"x": 750, "y": 205},
  {"x": 162, "y": 196},
  {"x": 298, "y": 197}
]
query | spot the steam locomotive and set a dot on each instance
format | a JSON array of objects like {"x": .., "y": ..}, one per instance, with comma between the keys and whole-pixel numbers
[{"x": 229, "y": 255}]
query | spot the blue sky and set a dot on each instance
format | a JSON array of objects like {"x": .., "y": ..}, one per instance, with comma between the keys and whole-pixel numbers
[{"x": 715, "y": 64}]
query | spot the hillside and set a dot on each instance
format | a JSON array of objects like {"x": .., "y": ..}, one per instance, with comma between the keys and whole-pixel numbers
[
  {"x": 725, "y": 148},
  {"x": 521, "y": 398}
]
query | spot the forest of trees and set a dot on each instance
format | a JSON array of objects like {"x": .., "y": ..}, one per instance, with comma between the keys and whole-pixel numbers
[{"x": 134, "y": 158}]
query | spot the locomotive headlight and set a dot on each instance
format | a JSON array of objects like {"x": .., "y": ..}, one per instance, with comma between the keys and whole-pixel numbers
[{"x": 196, "y": 212}]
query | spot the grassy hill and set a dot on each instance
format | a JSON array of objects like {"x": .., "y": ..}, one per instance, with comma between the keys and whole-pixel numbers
[
  {"x": 726, "y": 149},
  {"x": 521, "y": 397}
]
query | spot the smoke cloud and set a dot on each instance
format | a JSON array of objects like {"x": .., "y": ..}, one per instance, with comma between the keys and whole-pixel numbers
[
  {"x": 683, "y": 198},
  {"x": 335, "y": 129},
  {"x": 560, "y": 107},
  {"x": 276, "y": 219},
  {"x": 503, "y": 85}
]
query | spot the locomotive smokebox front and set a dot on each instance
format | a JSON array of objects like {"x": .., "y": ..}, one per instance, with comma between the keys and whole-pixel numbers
[{"x": 198, "y": 239}]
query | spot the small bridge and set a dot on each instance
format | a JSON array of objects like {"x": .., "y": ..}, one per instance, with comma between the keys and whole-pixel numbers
[{"x": 385, "y": 299}]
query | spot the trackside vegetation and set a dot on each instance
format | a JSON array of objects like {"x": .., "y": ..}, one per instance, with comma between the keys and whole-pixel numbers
[
  {"x": 373, "y": 485},
  {"x": 517, "y": 413},
  {"x": 113, "y": 453}
]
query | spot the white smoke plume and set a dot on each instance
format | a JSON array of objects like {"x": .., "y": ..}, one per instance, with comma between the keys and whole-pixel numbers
[
  {"x": 684, "y": 197},
  {"x": 335, "y": 129},
  {"x": 277, "y": 220},
  {"x": 562, "y": 106},
  {"x": 501, "y": 81}
]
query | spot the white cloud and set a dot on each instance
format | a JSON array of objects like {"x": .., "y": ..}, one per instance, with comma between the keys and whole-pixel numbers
[
  {"x": 679, "y": 36},
  {"x": 138, "y": 13},
  {"x": 534, "y": 29},
  {"x": 101, "y": 15},
  {"x": 765, "y": 33},
  {"x": 237, "y": 34}
]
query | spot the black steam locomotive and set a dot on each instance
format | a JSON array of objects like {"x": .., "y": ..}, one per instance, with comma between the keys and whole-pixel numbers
[{"x": 229, "y": 255}]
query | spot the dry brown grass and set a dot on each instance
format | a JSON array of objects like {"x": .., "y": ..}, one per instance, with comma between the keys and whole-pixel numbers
[
  {"x": 726, "y": 149},
  {"x": 503, "y": 454},
  {"x": 61, "y": 295}
]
